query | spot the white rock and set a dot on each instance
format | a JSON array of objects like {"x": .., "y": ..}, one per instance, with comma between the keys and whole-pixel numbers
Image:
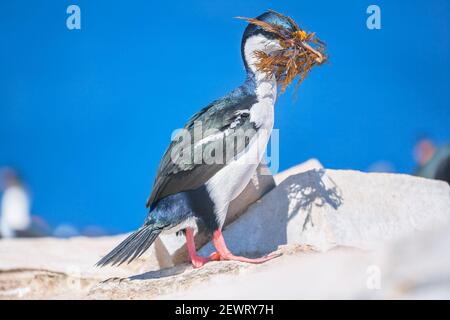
[
  {"x": 403, "y": 218},
  {"x": 302, "y": 167},
  {"x": 327, "y": 208},
  {"x": 413, "y": 267},
  {"x": 61, "y": 268},
  {"x": 74, "y": 255}
]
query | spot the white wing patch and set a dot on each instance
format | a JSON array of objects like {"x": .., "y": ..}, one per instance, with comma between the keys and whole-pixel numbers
[
  {"x": 220, "y": 135},
  {"x": 238, "y": 115}
]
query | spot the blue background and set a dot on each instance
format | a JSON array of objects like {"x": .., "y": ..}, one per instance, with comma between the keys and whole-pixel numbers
[{"x": 85, "y": 115}]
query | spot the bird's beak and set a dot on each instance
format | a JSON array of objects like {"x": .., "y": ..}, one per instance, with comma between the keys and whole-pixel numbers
[{"x": 319, "y": 56}]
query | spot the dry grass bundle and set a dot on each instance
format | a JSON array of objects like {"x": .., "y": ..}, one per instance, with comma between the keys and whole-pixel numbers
[{"x": 301, "y": 52}]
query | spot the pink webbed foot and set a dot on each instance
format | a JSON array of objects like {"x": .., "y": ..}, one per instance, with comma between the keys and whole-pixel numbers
[
  {"x": 224, "y": 254},
  {"x": 198, "y": 261},
  {"x": 232, "y": 257}
]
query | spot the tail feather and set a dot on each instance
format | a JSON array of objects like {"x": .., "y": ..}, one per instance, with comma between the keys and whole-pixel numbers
[
  {"x": 128, "y": 249},
  {"x": 144, "y": 244},
  {"x": 132, "y": 247}
]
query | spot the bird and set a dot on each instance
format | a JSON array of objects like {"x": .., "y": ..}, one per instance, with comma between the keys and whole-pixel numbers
[{"x": 190, "y": 195}]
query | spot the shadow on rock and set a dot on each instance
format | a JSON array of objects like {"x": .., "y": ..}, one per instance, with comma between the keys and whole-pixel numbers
[
  {"x": 310, "y": 188},
  {"x": 163, "y": 273},
  {"x": 272, "y": 221}
]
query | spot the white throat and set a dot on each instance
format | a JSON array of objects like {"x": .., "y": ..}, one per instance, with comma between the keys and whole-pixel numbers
[{"x": 266, "y": 87}]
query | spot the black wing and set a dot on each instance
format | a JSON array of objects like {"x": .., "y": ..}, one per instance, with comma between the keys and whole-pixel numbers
[{"x": 226, "y": 115}]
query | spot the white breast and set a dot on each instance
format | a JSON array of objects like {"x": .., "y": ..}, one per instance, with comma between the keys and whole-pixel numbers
[{"x": 230, "y": 181}]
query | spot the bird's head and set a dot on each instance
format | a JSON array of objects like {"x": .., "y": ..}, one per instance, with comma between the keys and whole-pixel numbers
[{"x": 274, "y": 45}]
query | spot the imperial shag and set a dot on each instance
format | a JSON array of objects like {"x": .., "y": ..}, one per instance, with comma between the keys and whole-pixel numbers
[{"x": 191, "y": 194}]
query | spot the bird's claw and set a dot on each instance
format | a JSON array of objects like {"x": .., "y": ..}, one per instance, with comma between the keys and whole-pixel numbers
[{"x": 215, "y": 256}]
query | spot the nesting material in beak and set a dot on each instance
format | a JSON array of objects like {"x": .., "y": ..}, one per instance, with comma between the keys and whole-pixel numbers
[{"x": 301, "y": 52}]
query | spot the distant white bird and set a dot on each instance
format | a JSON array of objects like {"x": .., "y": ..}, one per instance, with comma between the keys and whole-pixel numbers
[{"x": 15, "y": 207}]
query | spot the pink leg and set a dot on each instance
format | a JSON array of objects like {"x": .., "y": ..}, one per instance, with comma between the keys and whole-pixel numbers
[
  {"x": 196, "y": 260},
  {"x": 225, "y": 254}
]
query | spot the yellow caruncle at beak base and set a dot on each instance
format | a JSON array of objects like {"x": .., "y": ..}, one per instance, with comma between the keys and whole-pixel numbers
[{"x": 300, "y": 34}]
